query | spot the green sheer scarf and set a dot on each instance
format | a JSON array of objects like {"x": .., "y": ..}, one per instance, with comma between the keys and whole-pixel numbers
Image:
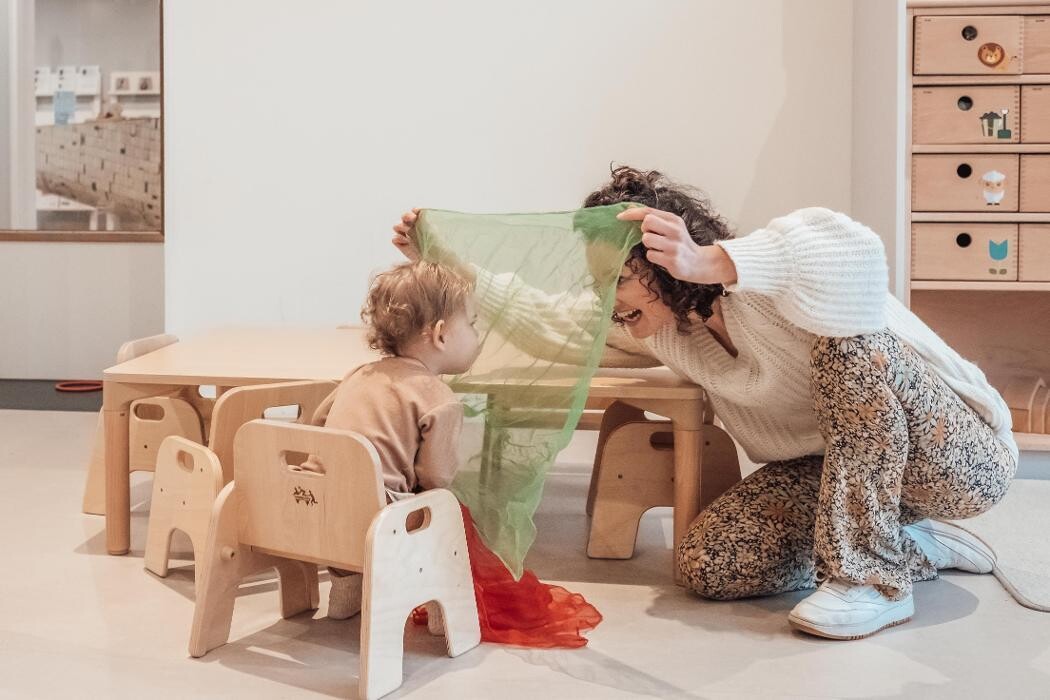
[{"x": 545, "y": 286}]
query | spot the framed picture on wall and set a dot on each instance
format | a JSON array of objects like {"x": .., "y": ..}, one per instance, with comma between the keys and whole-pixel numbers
[{"x": 121, "y": 82}]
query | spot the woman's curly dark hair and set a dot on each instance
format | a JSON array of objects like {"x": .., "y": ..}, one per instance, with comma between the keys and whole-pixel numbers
[{"x": 653, "y": 189}]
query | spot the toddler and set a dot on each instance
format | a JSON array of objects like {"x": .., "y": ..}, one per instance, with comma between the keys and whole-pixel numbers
[{"x": 422, "y": 317}]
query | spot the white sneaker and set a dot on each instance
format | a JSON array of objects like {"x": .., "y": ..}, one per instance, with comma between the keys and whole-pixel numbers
[
  {"x": 344, "y": 600},
  {"x": 948, "y": 546},
  {"x": 844, "y": 610}
]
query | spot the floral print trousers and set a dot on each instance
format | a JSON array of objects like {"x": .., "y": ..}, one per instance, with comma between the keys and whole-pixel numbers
[{"x": 900, "y": 446}]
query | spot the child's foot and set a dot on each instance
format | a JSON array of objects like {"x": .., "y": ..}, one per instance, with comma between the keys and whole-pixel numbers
[
  {"x": 344, "y": 600},
  {"x": 844, "y": 610}
]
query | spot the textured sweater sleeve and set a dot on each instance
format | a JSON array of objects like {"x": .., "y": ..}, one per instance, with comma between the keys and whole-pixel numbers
[
  {"x": 552, "y": 327},
  {"x": 438, "y": 457},
  {"x": 826, "y": 272}
]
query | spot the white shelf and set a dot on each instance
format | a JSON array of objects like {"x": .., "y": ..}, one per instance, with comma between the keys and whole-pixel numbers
[
  {"x": 951, "y": 285},
  {"x": 1033, "y": 442},
  {"x": 156, "y": 93},
  {"x": 970, "y": 148},
  {"x": 1029, "y": 79},
  {"x": 981, "y": 217}
]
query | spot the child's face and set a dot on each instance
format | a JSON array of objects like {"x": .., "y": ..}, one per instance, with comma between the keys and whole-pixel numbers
[{"x": 461, "y": 339}]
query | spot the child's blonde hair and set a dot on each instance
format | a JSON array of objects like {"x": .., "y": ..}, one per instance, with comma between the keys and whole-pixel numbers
[{"x": 409, "y": 299}]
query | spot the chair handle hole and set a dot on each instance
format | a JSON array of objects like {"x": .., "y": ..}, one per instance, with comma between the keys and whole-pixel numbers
[
  {"x": 149, "y": 411},
  {"x": 417, "y": 520}
]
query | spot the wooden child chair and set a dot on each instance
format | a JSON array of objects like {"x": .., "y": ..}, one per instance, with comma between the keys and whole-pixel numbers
[
  {"x": 150, "y": 420},
  {"x": 189, "y": 476},
  {"x": 276, "y": 514},
  {"x": 634, "y": 471}
]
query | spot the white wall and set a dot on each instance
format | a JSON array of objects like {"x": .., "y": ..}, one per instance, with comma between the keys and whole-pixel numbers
[
  {"x": 114, "y": 34},
  {"x": 879, "y": 70},
  {"x": 298, "y": 132},
  {"x": 67, "y": 307}
]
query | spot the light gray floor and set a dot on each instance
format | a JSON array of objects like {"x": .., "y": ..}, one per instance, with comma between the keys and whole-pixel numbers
[{"x": 75, "y": 622}]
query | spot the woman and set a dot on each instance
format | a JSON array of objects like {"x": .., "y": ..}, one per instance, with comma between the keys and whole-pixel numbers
[{"x": 869, "y": 425}]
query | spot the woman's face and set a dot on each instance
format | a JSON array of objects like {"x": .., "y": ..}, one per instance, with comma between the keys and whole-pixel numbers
[{"x": 640, "y": 310}]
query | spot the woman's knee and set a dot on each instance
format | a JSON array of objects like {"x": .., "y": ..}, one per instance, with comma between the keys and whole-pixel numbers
[{"x": 715, "y": 564}]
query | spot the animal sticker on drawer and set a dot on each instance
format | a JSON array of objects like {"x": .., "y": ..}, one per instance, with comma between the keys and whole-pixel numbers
[
  {"x": 994, "y": 183},
  {"x": 998, "y": 252}
]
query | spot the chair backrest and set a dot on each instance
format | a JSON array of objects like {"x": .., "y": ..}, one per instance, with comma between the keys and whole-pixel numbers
[
  {"x": 319, "y": 516},
  {"x": 136, "y": 348},
  {"x": 238, "y": 406}
]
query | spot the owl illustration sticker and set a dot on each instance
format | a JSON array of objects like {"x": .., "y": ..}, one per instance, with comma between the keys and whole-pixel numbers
[
  {"x": 994, "y": 183},
  {"x": 998, "y": 253}
]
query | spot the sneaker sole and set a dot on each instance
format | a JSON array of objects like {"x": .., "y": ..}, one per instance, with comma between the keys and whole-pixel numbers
[
  {"x": 808, "y": 628},
  {"x": 976, "y": 544}
]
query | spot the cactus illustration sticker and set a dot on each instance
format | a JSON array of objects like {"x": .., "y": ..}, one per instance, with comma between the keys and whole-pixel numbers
[
  {"x": 994, "y": 125},
  {"x": 998, "y": 253},
  {"x": 994, "y": 183}
]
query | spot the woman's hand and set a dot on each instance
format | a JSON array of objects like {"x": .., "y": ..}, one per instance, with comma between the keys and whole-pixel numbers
[
  {"x": 405, "y": 235},
  {"x": 669, "y": 245}
]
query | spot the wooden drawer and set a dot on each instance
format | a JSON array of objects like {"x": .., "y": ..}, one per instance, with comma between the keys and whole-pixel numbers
[
  {"x": 1034, "y": 253},
  {"x": 969, "y": 45},
  {"x": 1037, "y": 44},
  {"x": 1035, "y": 183},
  {"x": 964, "y": 182},
  {"x": 982, "y": 252},
  {"x": 967, "y": 114},
  {"x": 1035, "y": 114}
]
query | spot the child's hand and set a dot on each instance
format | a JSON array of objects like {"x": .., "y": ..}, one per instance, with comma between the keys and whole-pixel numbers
[{"x": 405, "y": 235}]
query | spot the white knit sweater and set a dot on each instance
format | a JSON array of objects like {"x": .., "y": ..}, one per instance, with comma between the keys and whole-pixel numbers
[{"x": 811, "y": 273}]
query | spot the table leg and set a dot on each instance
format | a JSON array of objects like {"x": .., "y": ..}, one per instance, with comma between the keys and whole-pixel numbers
[
  {"x": 118, "y": 481},
  {"x": 688, "y": 448},
  {"x": 116, "y": 409}
]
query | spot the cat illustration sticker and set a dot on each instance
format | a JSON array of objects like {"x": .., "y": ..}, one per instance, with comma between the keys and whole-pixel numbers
[
  {"x": 998, "y": 252},
  {"x": 994, "y": 183}
]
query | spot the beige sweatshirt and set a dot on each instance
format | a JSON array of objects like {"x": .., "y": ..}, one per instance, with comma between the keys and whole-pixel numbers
[
  {"x": 811, "y": 273},
  {"x": 411, "y": 417}
]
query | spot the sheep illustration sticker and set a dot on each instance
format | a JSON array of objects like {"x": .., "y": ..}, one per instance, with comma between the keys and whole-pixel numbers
[{"x": 994, "y": 184}]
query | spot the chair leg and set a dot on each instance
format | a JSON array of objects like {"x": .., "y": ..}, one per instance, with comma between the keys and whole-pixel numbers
[
  {"x": 382, "y": 648},
  {"x": 635, "y": 477},
  {"x": 222, "y": 569},
  {"x": 297, "y": 582},
  {"x": 615, "y": 415},
  {"x": 95, "y": 486},
  {"x": 435, "y": 619},
  {"x": 431, "y": 564}
]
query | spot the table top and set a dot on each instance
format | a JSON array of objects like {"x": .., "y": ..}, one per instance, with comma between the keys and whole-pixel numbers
[{"x": 237, "y": 356}]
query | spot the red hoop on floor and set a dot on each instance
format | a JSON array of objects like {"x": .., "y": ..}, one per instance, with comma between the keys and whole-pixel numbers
[{"x": 78, "y": 385}]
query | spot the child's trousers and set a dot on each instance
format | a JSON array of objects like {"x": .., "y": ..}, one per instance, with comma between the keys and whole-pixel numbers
[{"x": 900, "y": 446}]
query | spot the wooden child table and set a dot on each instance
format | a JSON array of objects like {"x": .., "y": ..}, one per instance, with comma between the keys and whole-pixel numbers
[{"x": 232, "y": 357}]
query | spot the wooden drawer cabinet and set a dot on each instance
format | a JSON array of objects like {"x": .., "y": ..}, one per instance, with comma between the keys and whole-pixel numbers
[
  {"x": 1035, "y": 183},
  {"x": 1034, "y": 253},
  {"x": 983, "y": 252},
  {"x": 968, "y": 45},
  {"x": 965, "y": 182},
  {"x": 1035, "y": 114},
  {"x": 968, "y": 114},
  {"x": 1037, "y": 44}
]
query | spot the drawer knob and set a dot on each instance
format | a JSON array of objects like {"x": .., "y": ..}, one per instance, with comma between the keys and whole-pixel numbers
[
  {"x": 963, "y": 240},
  {"x": 969, "y": 32},
  {"x": 964, "y": 171},
  {"x": 965, "y": 103}
]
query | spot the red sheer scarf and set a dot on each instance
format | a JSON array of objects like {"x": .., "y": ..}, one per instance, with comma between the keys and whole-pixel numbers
[{"x": 526, "y": 612}]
